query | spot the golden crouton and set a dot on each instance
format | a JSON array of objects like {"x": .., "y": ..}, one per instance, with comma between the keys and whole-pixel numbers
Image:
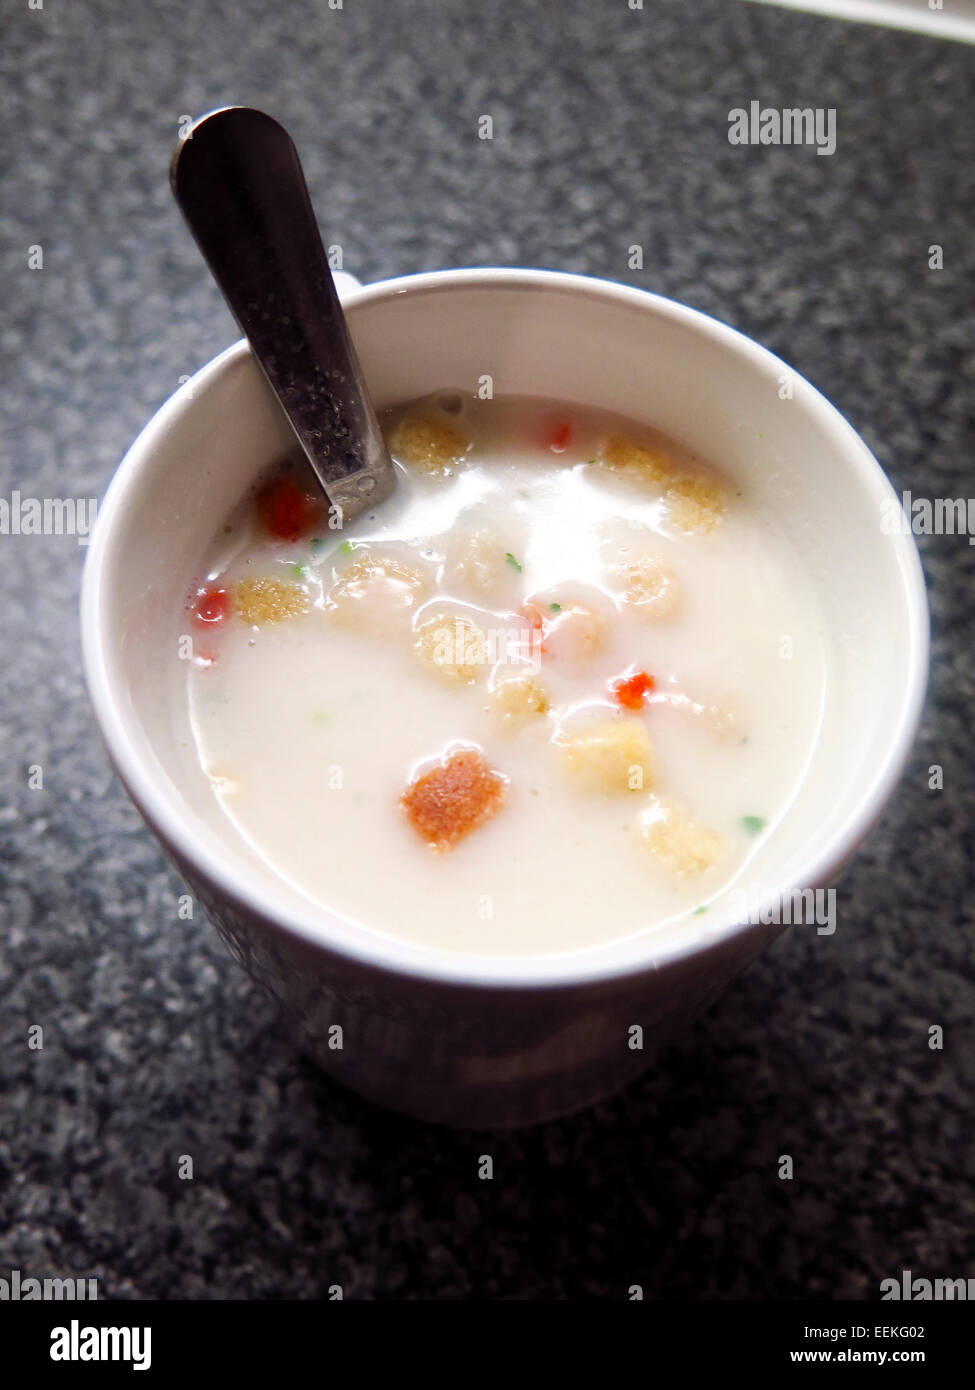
[
  {"x": 454, "y": 798},
  {"x": 651, "y": 587},
  {"x": 454, "y": 647},
  {"x": 482, "y": 563},
  {"x": 611, "y": 756},
  {"x": 426, "y": 442},
  {"x": 260, "y": 601},
  {"x": 576, "y": 633},
  {"x": 695, "y": 503},
  {"x": 374, "y": 593},
  {"x": 685, "y": 846},
  {"x": 635, "y": 461},
  {"x": 519, "y": 702}
]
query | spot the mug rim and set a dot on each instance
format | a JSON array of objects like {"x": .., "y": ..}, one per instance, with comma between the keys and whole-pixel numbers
[{"x": 377, "y": 950}]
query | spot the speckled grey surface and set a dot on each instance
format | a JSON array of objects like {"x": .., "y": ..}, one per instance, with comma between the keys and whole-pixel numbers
[{"x": 610, "y": 129}]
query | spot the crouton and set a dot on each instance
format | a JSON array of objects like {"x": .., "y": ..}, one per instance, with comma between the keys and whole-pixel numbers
[
  {"x": 480, "y": 562},
  {"x": 573, "y": 627},
  {"x": 695, "y": 503},
  {"x": 519, "y": 702},
  {"x": 673, "y": 836},
  {"x": 428, "y": 443},
  {"x": 652, "y": 588},
  {"x": 454, "y": 647},
  {"x": 453, "y": 799},
  {"x": 375, "y": 594},
  {"x": 636, "y": 462},
  {"x": 611, "y": 756},
  {"x": 576, "y": 634},
  {"x": 260, "y": 601}
]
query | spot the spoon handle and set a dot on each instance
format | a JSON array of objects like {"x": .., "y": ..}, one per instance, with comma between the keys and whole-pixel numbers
[{"x": 238, "y": 181}]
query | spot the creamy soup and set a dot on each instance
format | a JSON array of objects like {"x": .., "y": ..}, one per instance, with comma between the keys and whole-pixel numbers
[{"x": 553, "y": 693}]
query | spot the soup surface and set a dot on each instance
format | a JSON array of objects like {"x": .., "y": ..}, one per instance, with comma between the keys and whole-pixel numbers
[{"x": 552, "y": 693}]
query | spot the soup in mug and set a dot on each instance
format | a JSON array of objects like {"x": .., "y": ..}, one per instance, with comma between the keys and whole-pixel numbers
[{"x": 552, "y": 693}]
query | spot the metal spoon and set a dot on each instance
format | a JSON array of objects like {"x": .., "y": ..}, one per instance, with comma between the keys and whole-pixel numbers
[{"x": 238, "y": 181}]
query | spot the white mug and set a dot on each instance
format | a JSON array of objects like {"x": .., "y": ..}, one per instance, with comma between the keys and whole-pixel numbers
[{"x": 457, "y": 1038}]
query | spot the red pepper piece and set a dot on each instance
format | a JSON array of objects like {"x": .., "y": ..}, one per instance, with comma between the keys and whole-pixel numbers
[
  {"x": 212, "y": 606},
  {"x": 630, "y": 690},
  {"x": 537, "y": 624},
  {"x": 558, "y": 436},
  {"x": 286, "y": 510}
]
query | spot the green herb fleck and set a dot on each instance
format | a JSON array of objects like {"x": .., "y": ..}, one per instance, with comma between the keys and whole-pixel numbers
[
  {"x": 753, "y": 824},
  {"x": 321, "y": 716},
  {"x": 349, "y": 546},
  {"x": 698, "y": 910},
  {"x": 523, "y": 493},
  {"x": 743, "y": 739},
  {"x": 299, "y": 570},
  {"x": 316, "y": 540},
  {"x": 555, "y": 607},
  {"x": 512, "y": 561}
]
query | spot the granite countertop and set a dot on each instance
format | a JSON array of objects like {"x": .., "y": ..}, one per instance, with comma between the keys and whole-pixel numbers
[{"x": 610, "y": 130}]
